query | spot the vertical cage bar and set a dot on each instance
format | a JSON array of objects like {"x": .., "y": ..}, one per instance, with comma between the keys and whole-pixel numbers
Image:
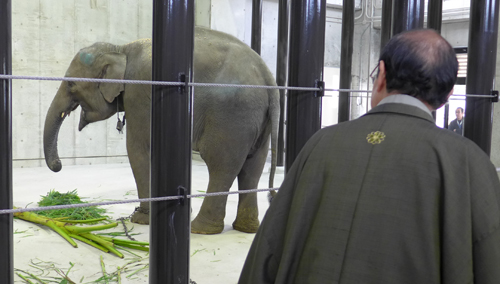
[
  {"x": 307, "y": 48},
  {"x": 481, "y": 60},
  {"x": 256, "y": 25},
  {"x": 171, "y": 127},
  {"x": 407, "y": 15},
  {"x": 434, "y": 21},
  {"x": 281, "y": 71},
  {"x": 435, "y": 15},
  {"x": 6, "y": 224},
  {"x": 446, "y": 115},
  {"x": 346, "y": 49},
  {"x": 386, "y": 28}
]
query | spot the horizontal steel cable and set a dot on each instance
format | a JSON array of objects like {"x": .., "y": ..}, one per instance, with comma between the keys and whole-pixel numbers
[
  {"x": 66, "y": 158},
  {"x": 165, "y": 83},
  {"x": 153, "y": 199},
  {"x": 144, "y": 82}
]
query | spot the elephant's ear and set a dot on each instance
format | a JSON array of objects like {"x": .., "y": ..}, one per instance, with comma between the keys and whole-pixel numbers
[{"x": 113, "y": 66}]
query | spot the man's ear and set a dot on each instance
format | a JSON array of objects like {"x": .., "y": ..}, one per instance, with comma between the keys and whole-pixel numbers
[{"x": 380, "y": 82}]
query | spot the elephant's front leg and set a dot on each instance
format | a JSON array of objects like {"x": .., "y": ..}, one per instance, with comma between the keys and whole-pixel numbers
[
  {"x": 139, "y": 156},
  {"x": 140, "y": 168}
]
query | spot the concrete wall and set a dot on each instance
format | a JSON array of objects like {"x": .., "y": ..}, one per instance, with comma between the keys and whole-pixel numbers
[
  {"x": 235, "y": 17},
  {"x": 47, "y": 34}
]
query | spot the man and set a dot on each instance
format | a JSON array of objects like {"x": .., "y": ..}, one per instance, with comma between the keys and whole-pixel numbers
[
  {"x": 456, "y": 125},
  {"x": 389, "y": 197}
]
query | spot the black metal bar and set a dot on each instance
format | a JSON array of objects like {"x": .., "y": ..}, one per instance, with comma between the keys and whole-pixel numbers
[
  {"x": 6, "y": 202},
  {"x": 346, "y": 49},
  {"x": 435, "y": 15},
  {"x": 407, "y": 15},
  {"x": 307, "y": 48},
  {"x": 434, "y": 21},
  {"x": 386, "y": 28},
  {"x": 446, "y": 115},
  {"x": 481, "y": 64},
  {"x": 281, "y": 71},
  {"x": 256, "y": 25},
  {"x": 171, "y": 124}
]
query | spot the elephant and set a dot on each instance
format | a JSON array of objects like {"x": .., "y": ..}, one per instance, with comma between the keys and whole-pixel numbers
[{"x": 232, "y": 127}]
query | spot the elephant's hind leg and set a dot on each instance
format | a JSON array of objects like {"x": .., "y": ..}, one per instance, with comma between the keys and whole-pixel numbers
[
  {"x": 247, "y": 218},
  {"x": 210, "y": 219}
]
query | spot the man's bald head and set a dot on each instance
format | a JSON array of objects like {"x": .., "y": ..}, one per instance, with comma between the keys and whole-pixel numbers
[{"x": 422, "y": 64}]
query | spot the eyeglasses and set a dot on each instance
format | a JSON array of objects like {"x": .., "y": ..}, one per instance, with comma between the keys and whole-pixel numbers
[{"x": 374, "y": 75}]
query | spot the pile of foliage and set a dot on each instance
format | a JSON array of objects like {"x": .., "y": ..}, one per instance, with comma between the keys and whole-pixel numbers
[
  {"x": 71, "y": 197},
  {"x": 62, "y": 221}
]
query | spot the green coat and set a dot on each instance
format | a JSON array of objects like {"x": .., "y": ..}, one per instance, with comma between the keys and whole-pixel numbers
[{"x": 420, "y": 205}]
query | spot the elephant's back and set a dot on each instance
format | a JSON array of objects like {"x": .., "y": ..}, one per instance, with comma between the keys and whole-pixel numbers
[{"x": 223, "y": 58}]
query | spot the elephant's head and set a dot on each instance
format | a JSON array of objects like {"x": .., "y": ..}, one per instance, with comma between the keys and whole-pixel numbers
[{"x": 97, "y": 100}]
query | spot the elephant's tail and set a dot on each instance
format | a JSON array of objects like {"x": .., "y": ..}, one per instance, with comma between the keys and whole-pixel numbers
[{"x": 274, "y": 113}]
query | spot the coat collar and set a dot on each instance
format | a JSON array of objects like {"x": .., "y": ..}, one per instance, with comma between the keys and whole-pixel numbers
[{"x": 403, "y": 109}]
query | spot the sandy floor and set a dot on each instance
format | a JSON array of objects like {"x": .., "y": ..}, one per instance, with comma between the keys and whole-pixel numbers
[{"x": 40, "y": 251}]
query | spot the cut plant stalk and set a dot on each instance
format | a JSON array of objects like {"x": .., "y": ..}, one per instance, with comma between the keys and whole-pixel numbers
[
  {"x": 24, "y": 278},
  {"x": 70, "y": 232},
  {"x": 91, "y": 243},
  {"x": 65, "y": 219}
]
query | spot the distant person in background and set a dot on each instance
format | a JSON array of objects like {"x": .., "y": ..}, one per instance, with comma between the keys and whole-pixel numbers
[{"x": 457, "y": 125}]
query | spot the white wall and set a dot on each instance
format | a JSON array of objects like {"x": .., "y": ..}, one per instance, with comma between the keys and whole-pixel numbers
[
  {"x": 235, "y": 17},
  {"x": 46, "y": 34}
]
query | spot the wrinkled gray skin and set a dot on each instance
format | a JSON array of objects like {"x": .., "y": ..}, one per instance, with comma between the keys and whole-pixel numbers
[{"x": 231, "y": 126}]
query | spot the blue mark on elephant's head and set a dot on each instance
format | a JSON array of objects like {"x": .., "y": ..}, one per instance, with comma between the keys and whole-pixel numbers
[{"x": 86, "y": 58}]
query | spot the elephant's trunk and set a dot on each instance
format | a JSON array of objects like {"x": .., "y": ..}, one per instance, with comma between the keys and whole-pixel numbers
[{"x": 59, "y": 109}]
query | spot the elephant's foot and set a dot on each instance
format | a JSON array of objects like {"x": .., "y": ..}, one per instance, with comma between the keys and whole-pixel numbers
[
  {"x": 202, "y": 225},
  {"x": 140, "y": 216},
  {"x": 246, "y": 224}
]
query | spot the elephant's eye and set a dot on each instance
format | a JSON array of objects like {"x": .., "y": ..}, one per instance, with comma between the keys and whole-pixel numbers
[{"x": 71, "y": 86}]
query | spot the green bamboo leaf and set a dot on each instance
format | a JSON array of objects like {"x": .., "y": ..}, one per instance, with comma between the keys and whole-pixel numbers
[{"x": 137, "y": 271}]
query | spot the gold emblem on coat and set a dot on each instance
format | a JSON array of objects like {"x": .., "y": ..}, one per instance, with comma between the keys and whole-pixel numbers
[{"x": 375, "y": 137}]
